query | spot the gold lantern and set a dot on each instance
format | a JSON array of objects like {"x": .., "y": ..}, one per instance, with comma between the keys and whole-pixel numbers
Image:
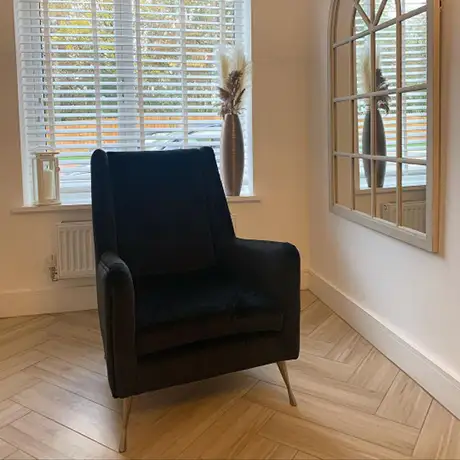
[{"x": 46, "y": 178}]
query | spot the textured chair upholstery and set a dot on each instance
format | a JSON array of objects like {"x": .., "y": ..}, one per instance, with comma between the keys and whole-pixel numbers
[{"x": 180, "y": 298}]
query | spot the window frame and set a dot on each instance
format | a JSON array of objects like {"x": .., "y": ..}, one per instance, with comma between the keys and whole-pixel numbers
[
  {"x": 243, "y": 12},
  {"x": 430, "y": 240}
]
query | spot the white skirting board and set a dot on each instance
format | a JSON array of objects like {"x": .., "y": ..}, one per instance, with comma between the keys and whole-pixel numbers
[
  {"x": 432, "y": 377},
  {"x": 52, "y": 300},
  {"x": 304, "y": 280}
]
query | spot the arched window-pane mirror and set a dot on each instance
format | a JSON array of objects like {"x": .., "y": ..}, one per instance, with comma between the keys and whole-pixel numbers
[{"x": 384, "y": 116}]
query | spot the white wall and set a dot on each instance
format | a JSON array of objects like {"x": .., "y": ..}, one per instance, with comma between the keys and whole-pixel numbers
[
  {"x": 412, "y": 292},
  {"x": 280, "y": 163}
]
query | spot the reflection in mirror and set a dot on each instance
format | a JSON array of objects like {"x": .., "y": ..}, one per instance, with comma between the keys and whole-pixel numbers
[
  {"x": 344, "y": 25},
  {"x": 367, "y": 8},
  {"x": 410, "y": 5},
  {"x": 360, "y": 24},
  {"x": 385, "y": 40},
  {"x": 384, "y": 111},
  {"x": 414, "y": 125},
  {"x": 389, "y": 10},
  {"x": 413, "y": 175},
  {"x": 414, "y": 62},
  {"x": 343, "y": 83},
  {"x": 362, "y": 106},
  {"x": 344, "y": 185},
  {"x": 362, "y": 191},
  {"x": 414, "y": 198},
  {"x": 362, "y": 60},
  {"x": 344, "y": 127}
]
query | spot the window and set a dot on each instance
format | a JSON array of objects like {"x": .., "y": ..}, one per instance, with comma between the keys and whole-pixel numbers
[
  {"x": 121, "y": 75},
  {"x": 384, "y": 112}
]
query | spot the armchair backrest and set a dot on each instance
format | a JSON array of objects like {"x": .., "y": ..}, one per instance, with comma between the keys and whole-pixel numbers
[{"x": 161, "y": 212}]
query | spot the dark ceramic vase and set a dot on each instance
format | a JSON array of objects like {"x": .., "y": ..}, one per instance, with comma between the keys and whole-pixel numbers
[
  {"x": 232, "y": 155},
  {"x": 381, "y": 166}
]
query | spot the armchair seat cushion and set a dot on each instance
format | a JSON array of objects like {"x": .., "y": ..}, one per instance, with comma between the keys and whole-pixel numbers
[{"x": 172, "y": 311}]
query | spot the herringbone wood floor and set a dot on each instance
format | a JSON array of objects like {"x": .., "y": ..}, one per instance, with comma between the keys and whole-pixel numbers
[{"x": 352, "y": 402}]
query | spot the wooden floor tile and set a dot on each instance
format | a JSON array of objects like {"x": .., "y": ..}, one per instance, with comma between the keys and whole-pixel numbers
[
  {"x": 406, "y": 402},
  {"x": 262, "y": 448},
  {"x": 76, "y": 379},
  {"x": 11, "y": 411},
  {"x": 87, "y": 319},
  {"x": 314, "y": 316},
  {"x": 326, "y": 388},
  {"x": 440, "y": 436},
  {"x": 377, "y": 430},
  {"x": 66, "y": 330},
  {"x": 304, "y": 456},
  {"x": 315, "y": 347},
  {"x": 10, "y": 324},
  {"x": 19, "y": 362},
  {"x": 331, "y": 330},
  {"x": 84, "y": 416},
  {"x": 44, "y": 439},
  {"x": 16, "y": 383},
  {"x": 75, "y": 352},
  {"x": 350, "y": 349},
  {"x": 6, "y": 449},
  {"x": 376, "y": 373},
  {"x": 20, "y": 455},
  {"x": 315, "y": 365},
  {"x": 353, "y": 402},
  {"x": 322, "y": 442},
  {"x": 21, "y": 341},
  {"x": 195, "y": 408},
  {"x": 230, "y": 433},
  {"x": 306, "y": 299}
]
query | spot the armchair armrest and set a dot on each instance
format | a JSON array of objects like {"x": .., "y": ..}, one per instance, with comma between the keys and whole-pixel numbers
[
  {"x": 274, "y": 268},
  {"x": 115, "y": 295}
]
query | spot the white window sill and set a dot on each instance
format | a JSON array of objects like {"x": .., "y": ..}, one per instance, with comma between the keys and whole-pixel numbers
[{"x": 87, "y": 207}]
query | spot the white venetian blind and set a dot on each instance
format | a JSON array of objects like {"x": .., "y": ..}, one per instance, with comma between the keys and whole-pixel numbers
[{"x": 121, "y": 75}]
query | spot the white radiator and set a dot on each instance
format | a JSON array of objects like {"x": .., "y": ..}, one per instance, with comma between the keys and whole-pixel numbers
[
  {"x": 414, "y": 214},
  {"x": 75, "y": 251}
]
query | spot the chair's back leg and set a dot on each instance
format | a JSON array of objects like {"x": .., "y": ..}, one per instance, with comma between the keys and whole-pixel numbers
[
  {"x": 284, "y": 373},
  {"x": 127, "y": 402}
]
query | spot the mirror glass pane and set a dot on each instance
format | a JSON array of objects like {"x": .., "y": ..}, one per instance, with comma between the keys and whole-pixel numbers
[
  {"x": 363, "y": 123},
  {"x": 362, "y": 63},
  {"x": 414, "y": 125},
  {"x": 389, "y": 11},
  {"x": 343, "y": 79},
  {"x": 415, "y": 50},
  {"x": 343, "y": 177},
  {"x": 344, "y": 127},
  {"x": 385, "y": 40},
  {"x": 410, "y": 5},
  {"x": 414, "y": 197}
]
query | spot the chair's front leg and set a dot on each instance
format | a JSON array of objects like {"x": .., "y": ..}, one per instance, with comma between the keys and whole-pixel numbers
[
  {"x": 284, "y": 373},
  {"x": 127, "y": 402}
]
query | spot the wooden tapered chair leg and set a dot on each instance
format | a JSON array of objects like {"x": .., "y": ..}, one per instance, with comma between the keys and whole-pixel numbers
[
  {"x": 284, "y": 373},
  {"x": 127, "y": 402}
]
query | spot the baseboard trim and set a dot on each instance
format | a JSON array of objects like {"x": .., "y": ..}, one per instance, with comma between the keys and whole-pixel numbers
[
  {"x": 305, "y": 279},
  {"x": 51, "y": 300},
  {"x": 435, "y": 379}
]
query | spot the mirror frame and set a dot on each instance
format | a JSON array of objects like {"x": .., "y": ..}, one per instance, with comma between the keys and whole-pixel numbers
[{"x": 430, "y": 240}]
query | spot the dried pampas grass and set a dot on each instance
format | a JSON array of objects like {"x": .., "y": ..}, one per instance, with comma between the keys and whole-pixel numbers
[
  {"x": 234, "y": 71},
  {"x": 381, "y": 83}
]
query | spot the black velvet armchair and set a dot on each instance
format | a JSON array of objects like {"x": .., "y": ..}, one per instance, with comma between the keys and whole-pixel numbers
[{"x": 180, "y": 298}]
